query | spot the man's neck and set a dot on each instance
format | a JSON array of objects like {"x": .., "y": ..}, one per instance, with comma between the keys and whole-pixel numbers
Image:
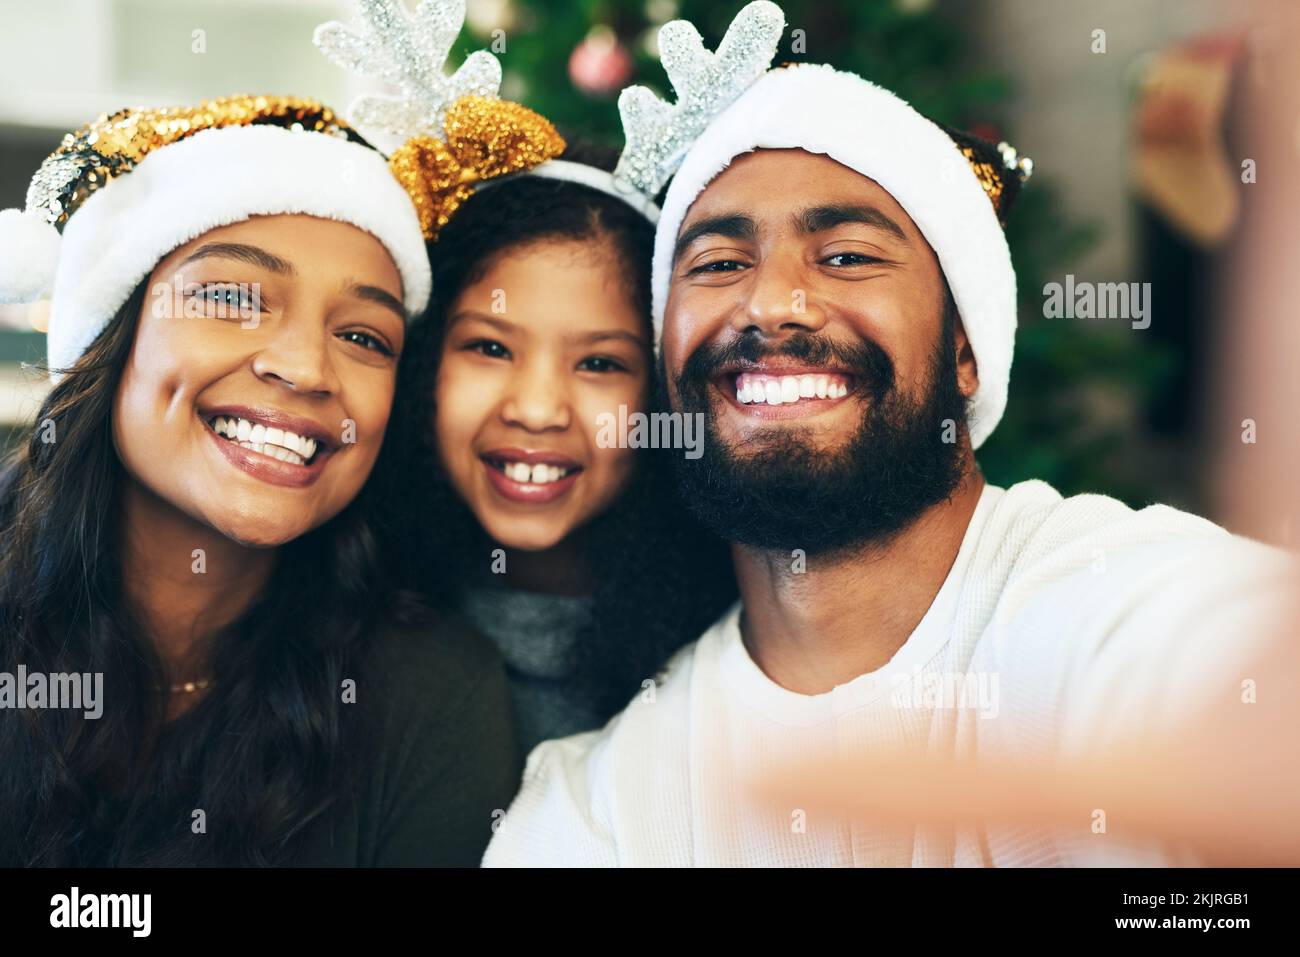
[
  {"x": 180, "y": 597},
  {"x": 815, "y": 628}
]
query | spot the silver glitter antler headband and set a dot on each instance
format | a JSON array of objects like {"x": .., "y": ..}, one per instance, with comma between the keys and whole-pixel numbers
[
  {"x": 658, "y": 134},
  {"x": 409, "y": 50}
]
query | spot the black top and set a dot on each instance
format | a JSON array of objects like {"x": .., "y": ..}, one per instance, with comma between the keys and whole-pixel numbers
[{"x": 441, "y": 760}]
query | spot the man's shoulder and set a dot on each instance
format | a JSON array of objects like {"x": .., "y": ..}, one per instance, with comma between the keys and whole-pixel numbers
[
  {"x": 1053, "y": 567},
  {"x": 1087, "y": 578},
  {"x": 1043, "y": 522},
  {"x": 1037, "y": 537}
]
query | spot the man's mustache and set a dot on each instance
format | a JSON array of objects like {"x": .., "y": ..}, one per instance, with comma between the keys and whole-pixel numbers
[{"x": 864, "y": 360}]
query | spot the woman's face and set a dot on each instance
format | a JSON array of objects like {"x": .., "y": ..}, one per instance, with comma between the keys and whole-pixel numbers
[
  {"x": 261, "y": 377},
  {"x": 535, "y": 352}
]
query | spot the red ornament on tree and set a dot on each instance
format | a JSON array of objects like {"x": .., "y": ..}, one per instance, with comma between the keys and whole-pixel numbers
[{"x": 600, "y": 65}]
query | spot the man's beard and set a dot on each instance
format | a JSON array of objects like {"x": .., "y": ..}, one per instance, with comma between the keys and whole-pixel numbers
[{"x": 788, "y": 494}]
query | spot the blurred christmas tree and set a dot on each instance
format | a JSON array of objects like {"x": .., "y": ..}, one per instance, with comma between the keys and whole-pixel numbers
[{"x": 569, "y": 58}]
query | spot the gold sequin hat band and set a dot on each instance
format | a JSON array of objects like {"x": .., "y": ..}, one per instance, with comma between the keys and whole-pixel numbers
[
  {"x": 122, "y": 192},
  {"x": 955, "y": 188},
  {"x": 91, "y": 157}
]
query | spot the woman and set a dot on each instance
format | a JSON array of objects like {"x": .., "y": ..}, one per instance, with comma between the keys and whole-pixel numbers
[
  {"x": 573, "y": 556},
  {"x": 188, "y": 518}
]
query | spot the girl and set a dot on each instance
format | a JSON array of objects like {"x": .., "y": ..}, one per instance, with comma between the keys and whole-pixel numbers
[
  {"x": 572, "y": 556},
  {"x": 187, "y": 526}
]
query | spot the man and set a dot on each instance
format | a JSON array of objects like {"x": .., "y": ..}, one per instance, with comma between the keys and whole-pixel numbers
[{"x": 837, "y": 298}]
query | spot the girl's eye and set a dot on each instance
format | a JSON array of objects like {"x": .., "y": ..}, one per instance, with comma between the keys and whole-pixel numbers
[
  {"x": 853, "y": 259},
  {"x": 718, "y": 265},
  {"x": 366, "y": 341},
  {"x": 488, "y": 347},
  {"x": 601, "y": 364}
]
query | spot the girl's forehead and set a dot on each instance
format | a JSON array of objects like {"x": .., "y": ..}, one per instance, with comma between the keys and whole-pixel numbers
[{"x": 573, "y": 290}]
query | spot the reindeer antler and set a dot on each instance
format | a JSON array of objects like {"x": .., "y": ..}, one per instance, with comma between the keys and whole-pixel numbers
[
  {"x": 410, "y": 51},
  {"x": 657, "y": 133}
]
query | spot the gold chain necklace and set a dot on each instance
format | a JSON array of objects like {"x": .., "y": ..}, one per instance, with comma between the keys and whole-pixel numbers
[{"x": 191, "y": 687}]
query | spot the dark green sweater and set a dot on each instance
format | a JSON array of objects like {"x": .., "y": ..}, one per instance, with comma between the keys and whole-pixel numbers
[{"x": 440, "y": 759}]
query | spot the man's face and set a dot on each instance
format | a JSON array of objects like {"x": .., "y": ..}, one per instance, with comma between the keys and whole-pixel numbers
[{"x": 806, "y": 319}]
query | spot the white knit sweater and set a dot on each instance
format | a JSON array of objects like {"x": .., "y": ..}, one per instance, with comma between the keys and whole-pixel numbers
[{"x": 1069, "y": 622}]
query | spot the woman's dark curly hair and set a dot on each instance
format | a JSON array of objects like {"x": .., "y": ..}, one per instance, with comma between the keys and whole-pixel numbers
[{"x": 661, "y": 578}]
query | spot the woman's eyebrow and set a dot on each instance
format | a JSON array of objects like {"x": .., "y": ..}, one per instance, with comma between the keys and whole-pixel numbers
[
  {"x": 253, "y": 255},
  {"x": 376, "y": 295}
]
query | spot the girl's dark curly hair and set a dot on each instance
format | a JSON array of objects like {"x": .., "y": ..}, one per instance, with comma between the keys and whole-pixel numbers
[{"x": 662, "y": 579}]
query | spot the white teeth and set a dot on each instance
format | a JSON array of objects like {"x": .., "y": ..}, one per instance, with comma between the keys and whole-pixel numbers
[
  {"x": 277, "y": 443},
  {"x": 783, "y": 390},
  {"x": 538, "y": 474},
  {"x": 275, "y": 452}
]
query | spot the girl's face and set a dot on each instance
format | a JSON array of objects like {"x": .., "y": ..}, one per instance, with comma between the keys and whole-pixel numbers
[
  {"x": 261, "y": 377},
  {"x": 536, "y": 351}
]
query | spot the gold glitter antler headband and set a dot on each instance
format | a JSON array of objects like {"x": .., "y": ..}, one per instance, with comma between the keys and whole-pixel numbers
[
  {"x": 410, "y": 51},
  {"x": 485, "y": 138},
  {"x": 459, "y": 133},
  {"x": 658, "y": 134}
]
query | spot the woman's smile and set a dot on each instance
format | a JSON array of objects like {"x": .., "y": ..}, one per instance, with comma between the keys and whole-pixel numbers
[{"x": 270, "y": 444}]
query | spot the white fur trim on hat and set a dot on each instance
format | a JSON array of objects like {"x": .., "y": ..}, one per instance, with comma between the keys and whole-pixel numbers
[
  {"x": 871, "y": 131},
  {"x": 215, "y": 178},
  {"x": 29, "y": 255}
]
